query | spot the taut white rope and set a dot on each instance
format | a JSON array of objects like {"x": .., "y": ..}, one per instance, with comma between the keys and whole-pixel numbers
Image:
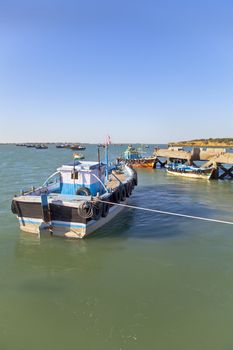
[{"x": 170, "y": 213}]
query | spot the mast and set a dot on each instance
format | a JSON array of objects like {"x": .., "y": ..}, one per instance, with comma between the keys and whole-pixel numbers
[
  {"x": 107, "y": 143},
  {"x": 106, "y": 161}
]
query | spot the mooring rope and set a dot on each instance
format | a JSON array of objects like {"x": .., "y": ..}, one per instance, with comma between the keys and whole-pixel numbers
[{"x": 169, "y": 213}]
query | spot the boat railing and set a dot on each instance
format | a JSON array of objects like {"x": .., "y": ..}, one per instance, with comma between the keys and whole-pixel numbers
[
  {"x": 33, "y": 191},
  {"x": 101, "y": 182},
  {"x": 52, "y": 183},
  {"x": 50, "y": 180}
]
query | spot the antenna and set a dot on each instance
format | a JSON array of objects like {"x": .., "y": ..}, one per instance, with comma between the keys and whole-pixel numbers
[
  {"x": 106, "y": 161},
  {"x": 107, "y": 143}
]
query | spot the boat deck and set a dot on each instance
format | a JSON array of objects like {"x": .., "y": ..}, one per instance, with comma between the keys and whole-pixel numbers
[{"x": 113, "y": 182}]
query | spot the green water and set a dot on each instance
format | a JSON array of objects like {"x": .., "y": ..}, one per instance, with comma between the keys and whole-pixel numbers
[{"x": 144, "y": 281}]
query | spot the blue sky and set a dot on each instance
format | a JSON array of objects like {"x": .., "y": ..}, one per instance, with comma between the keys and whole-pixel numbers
[{"x": 140, "y": 71}]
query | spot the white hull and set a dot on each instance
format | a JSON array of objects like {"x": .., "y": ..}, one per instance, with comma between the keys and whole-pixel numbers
[
  {"x": 68, "y": 229},
  {"x": 190, "y": 175}
]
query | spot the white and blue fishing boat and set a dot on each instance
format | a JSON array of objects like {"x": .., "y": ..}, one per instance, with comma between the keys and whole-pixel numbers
[
  {"x": 77, "y": 199},
  {"x": 190, "y": 171}
]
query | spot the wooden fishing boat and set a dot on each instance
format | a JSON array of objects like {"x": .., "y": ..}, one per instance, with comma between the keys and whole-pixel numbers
[
  {"x": 189, "y": 171},
  {"x": 76, "y": 200},
  {"x": 134, "y": 158}
]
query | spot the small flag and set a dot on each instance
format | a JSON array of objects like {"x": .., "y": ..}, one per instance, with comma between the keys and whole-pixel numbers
[
  {"x": 108, "y": 140},
  {"x": 78, "y": 156}
]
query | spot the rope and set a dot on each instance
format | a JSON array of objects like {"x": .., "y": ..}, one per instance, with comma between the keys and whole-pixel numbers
[
  {"x": 85, "y": 210},
  {"x": 170, "y": 213}
]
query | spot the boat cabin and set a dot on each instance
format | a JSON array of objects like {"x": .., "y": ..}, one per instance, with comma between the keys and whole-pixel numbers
[
  {"x": 131, "y": 153},
  {"x": 69, "y": 178}
]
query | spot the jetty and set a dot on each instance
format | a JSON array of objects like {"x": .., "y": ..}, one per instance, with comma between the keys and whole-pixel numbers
[{"x": 219, "y": 158}]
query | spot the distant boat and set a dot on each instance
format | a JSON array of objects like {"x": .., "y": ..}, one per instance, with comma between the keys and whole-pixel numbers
[
  {"x": 189, "y": 171},
  {"x": 30, "y": 145},
  {"x": 61, "y": 146},
  {"x": 42, "y": 146},
  {"x": 77, "y": 147},
  {"x": 134, "y": 158}
]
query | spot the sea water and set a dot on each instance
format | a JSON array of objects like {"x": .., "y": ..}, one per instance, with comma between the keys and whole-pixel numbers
[{"x": 143, "y": 281}]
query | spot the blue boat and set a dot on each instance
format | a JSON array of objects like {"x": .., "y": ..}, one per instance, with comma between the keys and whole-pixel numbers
[{"x": 190, "y": 171}]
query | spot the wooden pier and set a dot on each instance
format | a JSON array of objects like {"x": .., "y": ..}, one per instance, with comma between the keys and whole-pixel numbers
[{"x": 216, "y": 157}]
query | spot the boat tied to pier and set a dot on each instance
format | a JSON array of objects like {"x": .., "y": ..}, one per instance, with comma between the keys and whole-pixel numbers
[
  {"x": 77, "y": 199},
  {"x": 190, "y": 171},
  {"x": 134, "y": 158}
]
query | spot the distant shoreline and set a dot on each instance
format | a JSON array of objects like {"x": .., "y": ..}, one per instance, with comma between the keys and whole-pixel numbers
[
  {"x": 81, "y": 143},
  {"x": 204, "y": 143}
]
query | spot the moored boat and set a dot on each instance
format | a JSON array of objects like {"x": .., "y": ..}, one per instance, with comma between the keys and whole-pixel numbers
[
  {"x": 77, "y": 199},
  {"x": 41, "y": 146},
  {"x": 77, "y": 147},
  {"x": 135, "y": 159},
  {"x": 189, "y": 171}
]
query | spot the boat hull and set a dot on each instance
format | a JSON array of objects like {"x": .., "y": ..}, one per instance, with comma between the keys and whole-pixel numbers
[
  {"x": 140, "y": 163},
  {"x": 66, "y": 228},
  {"x": 78, "y": 148},
  {"x": 203, "y": 175}
]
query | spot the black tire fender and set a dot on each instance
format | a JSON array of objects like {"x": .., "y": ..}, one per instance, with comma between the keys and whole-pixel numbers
[
  {"x": 128, "y": 189},
  {"x": 135, "y": 180},
  {"x": 83, "y": 191},
  {"x": 117, "y": 195},
  {"x": 14, "y": 207},
  {"x": 135, "y": 177},
  {"x": 123, "y": 193},
  {"x": 105, "y": 210},
  {"x": 97, "y": 211}
]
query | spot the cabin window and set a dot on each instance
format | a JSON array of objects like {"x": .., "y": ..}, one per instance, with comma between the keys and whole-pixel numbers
[{"x": 74, "y": 175}]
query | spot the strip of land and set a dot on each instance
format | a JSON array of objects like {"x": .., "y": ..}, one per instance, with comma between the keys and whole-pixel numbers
[{"x": 217, "y": 142}]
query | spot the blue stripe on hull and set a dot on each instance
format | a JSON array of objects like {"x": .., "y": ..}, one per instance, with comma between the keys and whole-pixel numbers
[{"x": 53, "y": 223}]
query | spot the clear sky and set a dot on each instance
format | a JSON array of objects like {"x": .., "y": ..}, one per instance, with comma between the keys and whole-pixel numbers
[{"x": 141, "y": 71}]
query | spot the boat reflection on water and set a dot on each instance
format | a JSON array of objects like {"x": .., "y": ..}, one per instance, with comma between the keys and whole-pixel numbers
[{"x": 51, "y": 253}]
